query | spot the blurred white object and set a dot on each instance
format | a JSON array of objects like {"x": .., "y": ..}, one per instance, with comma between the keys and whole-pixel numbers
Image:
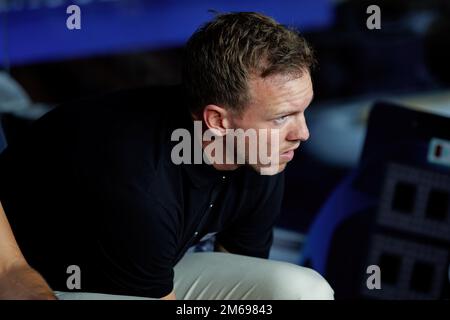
[
  {"x": 338, "y": 128},
  {"x": 94, "y": 296},
  {"x": 14, "y": 99}
]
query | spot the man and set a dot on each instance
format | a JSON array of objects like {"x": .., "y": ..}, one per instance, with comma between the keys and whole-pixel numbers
[{"x": 96, "y": 184}]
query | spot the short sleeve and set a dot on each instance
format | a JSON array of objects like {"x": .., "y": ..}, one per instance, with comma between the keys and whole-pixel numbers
[
  {"x": 137, "y": 241},
  {"x": 252, "y": 233}
]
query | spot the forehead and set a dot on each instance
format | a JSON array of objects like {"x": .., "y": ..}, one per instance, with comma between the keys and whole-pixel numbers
[{"x": 278, "y": 92}]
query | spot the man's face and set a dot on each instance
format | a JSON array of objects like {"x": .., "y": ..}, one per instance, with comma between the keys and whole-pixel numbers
[{"x": 277, "y": 102}]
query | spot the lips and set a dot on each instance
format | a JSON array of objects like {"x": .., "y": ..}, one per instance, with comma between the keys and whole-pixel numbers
[
  {"x": 289, "y": 154},
  {"x": 292, "y": 149}
]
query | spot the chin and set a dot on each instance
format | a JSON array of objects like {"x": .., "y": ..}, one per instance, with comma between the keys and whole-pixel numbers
[{"x": 269, "y": 171}]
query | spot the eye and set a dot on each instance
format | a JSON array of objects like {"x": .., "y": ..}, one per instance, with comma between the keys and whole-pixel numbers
[{"x": 280, "y": 120}]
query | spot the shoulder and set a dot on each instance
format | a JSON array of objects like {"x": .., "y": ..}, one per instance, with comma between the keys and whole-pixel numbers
[
  {"x": 122, "y": 133},
  {"x": 145, "y": 105}
]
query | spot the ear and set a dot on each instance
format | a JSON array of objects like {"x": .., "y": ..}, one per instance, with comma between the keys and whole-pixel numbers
[{"x": 216, "y": 119}]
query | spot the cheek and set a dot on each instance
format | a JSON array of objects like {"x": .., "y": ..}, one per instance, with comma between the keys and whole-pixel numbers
[
  {"x": 283, "y": 135},
  {"x": 274, "y": 139}
]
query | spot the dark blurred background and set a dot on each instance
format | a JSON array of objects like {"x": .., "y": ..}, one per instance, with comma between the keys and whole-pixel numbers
[{"x": 128, "y": 43}]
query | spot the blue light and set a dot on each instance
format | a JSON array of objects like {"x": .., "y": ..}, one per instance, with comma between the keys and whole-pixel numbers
[{"x": 37, "y": 33}]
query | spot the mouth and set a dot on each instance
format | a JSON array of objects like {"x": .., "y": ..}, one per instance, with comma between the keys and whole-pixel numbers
[{"x": 289, "y": 154}]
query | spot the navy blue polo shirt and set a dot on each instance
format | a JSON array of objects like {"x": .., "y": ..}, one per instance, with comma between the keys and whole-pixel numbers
[{"x": 92, "y": 184}]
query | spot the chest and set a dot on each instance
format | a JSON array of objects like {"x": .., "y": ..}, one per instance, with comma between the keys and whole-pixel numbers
[{"x": 208, "y": 210}]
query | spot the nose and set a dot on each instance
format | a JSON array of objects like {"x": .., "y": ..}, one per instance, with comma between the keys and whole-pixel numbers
[{"x": 299, "y": 130}]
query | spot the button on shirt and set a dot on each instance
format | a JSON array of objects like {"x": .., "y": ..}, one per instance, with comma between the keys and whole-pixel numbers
[{"x": 93, "y": 184}]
